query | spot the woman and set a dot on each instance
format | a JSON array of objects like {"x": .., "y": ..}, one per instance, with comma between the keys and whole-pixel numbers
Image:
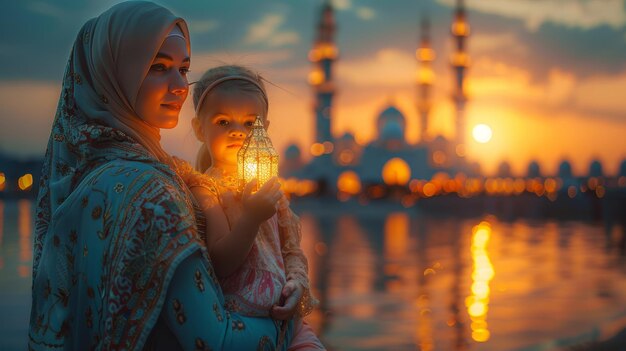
[{"x": 117, "y": 260}]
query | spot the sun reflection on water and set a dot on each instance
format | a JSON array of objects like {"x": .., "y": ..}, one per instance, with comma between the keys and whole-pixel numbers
[{"x": 477, "y": 303}]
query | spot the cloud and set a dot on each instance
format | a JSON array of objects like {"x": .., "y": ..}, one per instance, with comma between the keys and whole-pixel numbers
[
  {"x": 267, "y": 31},
  {"x": 388, "y": 67},
  {"x": 47, "y": 9},
  {"x": 481, "y": 43},
  {"x": 365, "y": 13},
  {"x": 599, "y": 95},
  {"x": 264, "y": 29},
  {"x": 201, "y": 61},
  {"x": 500, "y": 82},
  {"x": 362, "y": 12},
  {"x": 202, "y": 26},
  {"x": 342, "y": 4},
  {"x": 571, "y": 13},
  {"x": 284, "y": 39},
  {"x": 603, "y": 93}
]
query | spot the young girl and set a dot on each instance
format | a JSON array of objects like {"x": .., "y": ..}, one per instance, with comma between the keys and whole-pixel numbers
[{"x": 253, "y": 238}]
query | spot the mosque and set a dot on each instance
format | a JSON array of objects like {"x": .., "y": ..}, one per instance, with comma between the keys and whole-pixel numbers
[{"x": 388, "y": 158}]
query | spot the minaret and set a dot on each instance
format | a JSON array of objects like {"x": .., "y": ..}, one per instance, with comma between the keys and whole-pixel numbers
[
  {"x": 322, "y": 55},
  {"x": 425, "y": 78},
  {"x": 460, "y": 60}
]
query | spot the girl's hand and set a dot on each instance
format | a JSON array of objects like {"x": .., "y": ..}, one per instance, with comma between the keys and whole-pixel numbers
[
  {"x": 289, "y": 299},
  {"x": 261, "y": 205}
]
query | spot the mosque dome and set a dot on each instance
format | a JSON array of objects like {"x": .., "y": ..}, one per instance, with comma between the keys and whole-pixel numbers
[
  {"x": 504, "y": 169},
  {"x": 293, "y": 152},
  {"x": 534, "y": 170},
  {"x": 565, "y": 170},
  {"x": 439, "y": 142},
  {"x": 391, "y": 115},
  {"x": 595, "y": 169},
  {"x": 392, "y": 131},
  {"x": 347, "y": 137}
]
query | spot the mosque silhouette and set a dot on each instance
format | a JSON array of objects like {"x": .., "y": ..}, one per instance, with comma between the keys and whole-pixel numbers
[
  {"x": 434, "y": 166},
  {"x": 390, "y": 166}
]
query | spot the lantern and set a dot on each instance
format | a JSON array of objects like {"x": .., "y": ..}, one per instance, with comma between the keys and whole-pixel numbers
[{"x": 257, "y": 157}]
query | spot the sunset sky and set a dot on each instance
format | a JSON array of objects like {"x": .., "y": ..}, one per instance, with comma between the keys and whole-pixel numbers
[{"x": 549, "y": 77}]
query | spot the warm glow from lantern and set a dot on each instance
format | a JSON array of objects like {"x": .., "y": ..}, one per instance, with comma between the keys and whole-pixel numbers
[
  {"x": 328, "y": 147},
  {"x": 482, "y": 133},
  {"x": 460, "y": 59},
  {"x": 257, "y": 158},
  {"x": 349, "y": 183},
  {"x": 550, "y": 185},
  {"x": 323, "y": 51},
  {"x": 316, "y": 77},
  {"x": 425, "y": 54},
  {"x": 2, "y": 181},
  {"x": 425, "y": 75},
  {"x": 439, "y": 157},
  {"x": 429, "y": 189},
  {"x": 25, "y": 181},
  {"x": 396, "y": 172},
  {"x": 460, "y": 28},
  {"x": 346, "y": 157},
  {"x": 571, "y": 191},
  {"x": 317, "y": 149},
  {"x": 329, "y": 51}
]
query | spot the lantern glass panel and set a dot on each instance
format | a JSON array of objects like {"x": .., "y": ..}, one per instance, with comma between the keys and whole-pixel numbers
[{"x": 257, "y": 157}]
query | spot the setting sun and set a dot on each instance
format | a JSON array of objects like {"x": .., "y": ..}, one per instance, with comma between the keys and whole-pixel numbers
[{"x": 482, "y": 133}]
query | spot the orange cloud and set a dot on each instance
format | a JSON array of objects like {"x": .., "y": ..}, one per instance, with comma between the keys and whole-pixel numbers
[
  {"x": 545, "y": 121},
  {"x": 267, "y": 31},
  {"x": 571, "y": 13}
]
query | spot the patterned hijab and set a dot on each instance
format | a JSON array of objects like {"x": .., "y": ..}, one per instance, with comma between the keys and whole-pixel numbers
[{"x": 96, "y": 119}]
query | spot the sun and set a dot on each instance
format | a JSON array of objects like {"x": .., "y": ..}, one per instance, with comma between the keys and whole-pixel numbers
[{"x": 482, "y": 133}]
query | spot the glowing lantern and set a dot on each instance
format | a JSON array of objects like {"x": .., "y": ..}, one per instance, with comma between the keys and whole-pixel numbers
[
  {"x": 396, "y": 172},
  {"x": 25, "y": 181},
  {"x": 257, "y": 158},
  {"x": 349, "y": 183},
  {"x": 316, "y": 76}
]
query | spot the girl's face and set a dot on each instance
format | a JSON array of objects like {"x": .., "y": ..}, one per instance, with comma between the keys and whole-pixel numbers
[
  {"x": 165, "y": 87},
  {"x": 225, "y": 118}
]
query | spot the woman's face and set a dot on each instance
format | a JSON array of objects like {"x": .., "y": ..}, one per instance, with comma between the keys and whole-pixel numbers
[
  {"x": 165, "y": 87},
  {"x": 226, "y": 116}
]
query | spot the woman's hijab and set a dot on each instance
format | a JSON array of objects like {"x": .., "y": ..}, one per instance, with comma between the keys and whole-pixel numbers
[
  {"x": 95, "y": 118},
  {"x": 101, "y": 261}
]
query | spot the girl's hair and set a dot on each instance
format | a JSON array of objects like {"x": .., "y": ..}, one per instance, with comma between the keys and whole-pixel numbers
[{"x": 203, "y": 159}]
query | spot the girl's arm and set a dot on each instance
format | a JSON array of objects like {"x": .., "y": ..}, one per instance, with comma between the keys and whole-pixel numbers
[
  {"x": 229, "y": 247},
  {"x": 296, "y": 264}
]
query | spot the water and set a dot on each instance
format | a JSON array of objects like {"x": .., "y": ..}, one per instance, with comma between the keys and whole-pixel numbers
[{"x": 395, "y": 279}]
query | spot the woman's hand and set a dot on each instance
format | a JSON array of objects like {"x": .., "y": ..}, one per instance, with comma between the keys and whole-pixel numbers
[
  {"x": 261, "y": 205},
  {"x": 289, "y": 299}
]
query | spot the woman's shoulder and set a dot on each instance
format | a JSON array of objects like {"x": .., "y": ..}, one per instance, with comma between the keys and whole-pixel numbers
[
  {"x": 138, "y": 179},
  {"x": 131, "y": 170}
]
